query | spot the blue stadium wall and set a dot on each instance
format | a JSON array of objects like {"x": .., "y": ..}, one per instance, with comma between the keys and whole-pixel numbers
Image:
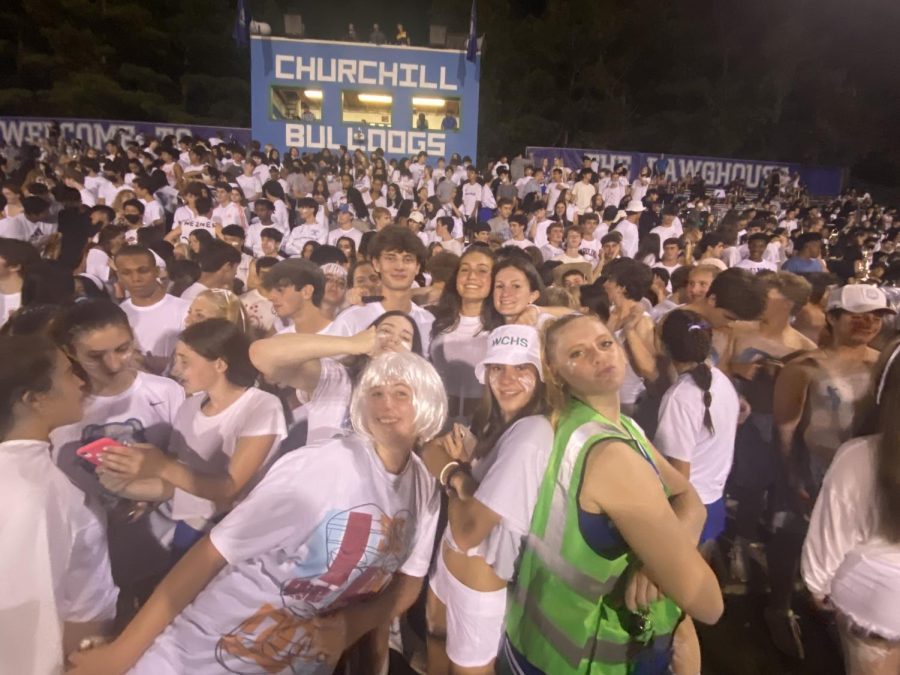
[{"x": 313, "y": 94}]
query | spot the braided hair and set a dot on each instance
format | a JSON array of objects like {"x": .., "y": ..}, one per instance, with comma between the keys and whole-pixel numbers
[{"x": 687, "y": 338}]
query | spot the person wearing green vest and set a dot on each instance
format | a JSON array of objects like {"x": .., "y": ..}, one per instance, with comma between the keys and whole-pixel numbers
[{"x": 611, "y": 560}]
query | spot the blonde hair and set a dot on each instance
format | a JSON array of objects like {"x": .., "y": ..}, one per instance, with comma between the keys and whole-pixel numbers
[
  {"x": 122, "y": 196},
  {"x": 557, "y": 391},
  {"x": 228, "y": 305}
]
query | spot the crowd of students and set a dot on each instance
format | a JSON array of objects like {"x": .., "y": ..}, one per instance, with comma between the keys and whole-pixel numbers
[{"x": 276, "y": 413}]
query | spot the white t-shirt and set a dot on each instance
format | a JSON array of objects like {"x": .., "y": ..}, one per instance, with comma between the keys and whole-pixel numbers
[
  {"x": 682, "y": 435},
  {"x": 551, "y": 252},
  {"x": 88, "y": 198},
  {"x": 183, "y": 214},
  {"x": 97, "y": 263},
  {"x": 197, "y": 223},
  {"x": 471, "y": 195},
  {"x": 663, "y": 308},
  {"x": 230, "y": 214},
  {"x": 193, "y": 291},
  {"x": 629, "y": 232},
  {"x": 328, "y": 526},
  {"x": 845, "y": 557},
  {"x": 632, "y": 384},
  {"x": 731, "y": 256},
  {"x": 590, "y": 248},
  {"x": 143, "y": 413},
  {"x": 9, "y": 304},
  {"x": 156, "y": 329},
  {"x": 206, "y": 443},
  {"x": 260, "y": 311},
  {"x": 108, "y": 192},
  {"x": 510, "y": 479},
  {"x": 250, "y": 186},
  {"x": 567, "y": 259},
  {"x": 454, "y": 246},
  {"x": 294, "y": 242},
  {"x": 19, "y": 227},
  {"x": 455, "y": 354},
  {"x": 352, "y": 233},
  {"x": 520, "y": 243},
  {"x": 540, "y": 232},
  {"x": 280, "y": 217},
  {"x": 54, "y": 567},
  {"x": 356, "y": 319},
  {"x": 326, "y": 413},
  {"x": 153, "y": 211},
  {"x": 666, "y": 233},
  {"x": 757, "y": 267}
]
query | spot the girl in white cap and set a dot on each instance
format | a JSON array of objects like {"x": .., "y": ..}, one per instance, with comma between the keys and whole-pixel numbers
[{"x": 490, "y": 503}]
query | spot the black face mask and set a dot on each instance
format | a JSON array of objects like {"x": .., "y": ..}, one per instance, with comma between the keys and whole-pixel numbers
[{"x": 133, "y": 218}]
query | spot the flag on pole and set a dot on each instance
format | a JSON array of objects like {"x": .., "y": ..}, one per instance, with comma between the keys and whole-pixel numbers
[
  {"x": 472, "y": 43},
  {"x": 241, "y": 32}
]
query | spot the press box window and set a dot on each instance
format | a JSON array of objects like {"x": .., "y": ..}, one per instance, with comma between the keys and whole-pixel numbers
[
  {"x": 296, "y": 103},
  {"x": 366, "y": 108},
  {"x": 431, "y": 113}
]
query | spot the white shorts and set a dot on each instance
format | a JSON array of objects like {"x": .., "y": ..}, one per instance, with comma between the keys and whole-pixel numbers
[{"x": 474, "y": 618}]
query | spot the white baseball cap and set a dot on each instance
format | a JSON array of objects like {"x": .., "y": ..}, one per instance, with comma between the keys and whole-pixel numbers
[
  {"x": 417, "y": 217},
  {"x": 512, "y": 345},
  {"x": 859, "y": 299}
]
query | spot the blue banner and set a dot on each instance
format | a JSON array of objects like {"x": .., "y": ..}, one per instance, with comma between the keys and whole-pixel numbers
[
  {"x": 717, "y": 172},
  {"x": 314, "y": 94},
  {"x": 15, "y": 130}
]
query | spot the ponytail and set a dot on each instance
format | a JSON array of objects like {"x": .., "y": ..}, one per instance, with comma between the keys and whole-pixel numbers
[
  {"x": 702, "y": 376},
  {"x": 687, "y": 338}
]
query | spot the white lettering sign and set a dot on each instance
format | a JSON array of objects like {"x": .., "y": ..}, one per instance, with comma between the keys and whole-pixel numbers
[
  {"x": 319, "y": 136},
  {"x": 312, "y": 69}
]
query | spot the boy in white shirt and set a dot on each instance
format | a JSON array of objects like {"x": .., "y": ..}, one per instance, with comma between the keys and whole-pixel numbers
[
  {"x": 155, "y": 316},
  {"x": 442, "y": 235},
  {"x": 309, "y": 228},
  {"x": 345, "y": 228},
  {"x": 517, "y": 225},
  {"x": 153, "y": 210},
  {"x": 757, "y": 244},
  {"x": 671, "y": 250},
  {"x": 553, "y": 248},
  {"x": 398, "y": 255}
]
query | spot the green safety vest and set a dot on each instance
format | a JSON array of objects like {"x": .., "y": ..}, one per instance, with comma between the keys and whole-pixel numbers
[{"x": 566, "y": 612}]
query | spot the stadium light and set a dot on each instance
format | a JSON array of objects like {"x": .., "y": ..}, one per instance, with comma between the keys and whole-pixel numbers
[
  {"x": 315, "y": 94},
  {"x": 429, "y": 102},
  {"x": 376, "y": 98}
]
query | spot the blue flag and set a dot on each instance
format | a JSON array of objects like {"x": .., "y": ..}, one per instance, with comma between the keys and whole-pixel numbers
[
  {"x": 472, "y": 43},
  {"x": 241, "y": 32}
]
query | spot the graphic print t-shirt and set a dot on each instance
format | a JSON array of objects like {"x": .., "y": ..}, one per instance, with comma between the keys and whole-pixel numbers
[{"x": 328, "y": 526}]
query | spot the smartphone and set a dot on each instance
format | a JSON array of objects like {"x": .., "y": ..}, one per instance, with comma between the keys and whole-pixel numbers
[{"x": 92, "y": 451}]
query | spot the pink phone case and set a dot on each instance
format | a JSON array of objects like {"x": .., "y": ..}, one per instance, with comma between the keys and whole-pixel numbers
[{"x": 92, "y": 451}]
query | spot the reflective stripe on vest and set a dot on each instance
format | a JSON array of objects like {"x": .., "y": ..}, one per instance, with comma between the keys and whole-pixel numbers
[
  {"x": 594, "y": 649},
  {"x": 585, "y": 585},
  {"x": 556, "y": 520}
]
